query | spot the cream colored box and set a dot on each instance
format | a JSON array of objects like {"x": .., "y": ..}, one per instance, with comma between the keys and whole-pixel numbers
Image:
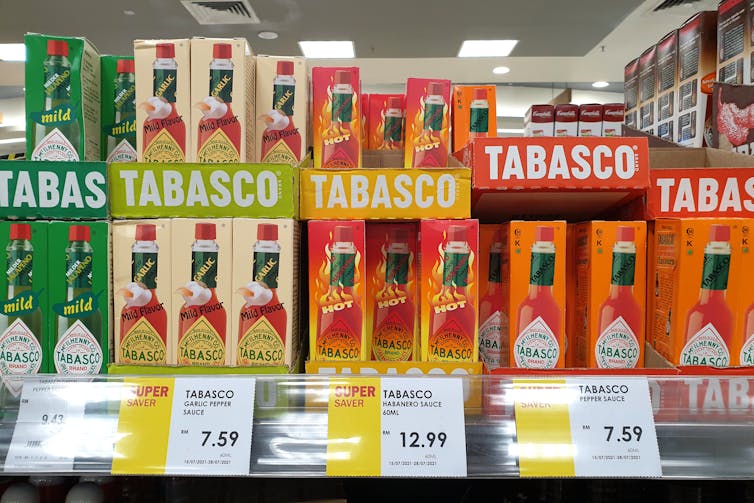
[
  {"x": 282, "y": 105},
  {"x": 222, "y": 98},
  {"x": 163, "y": 100},
  {"x": 143, "y": 298},
  {"x": 201, "y": 277},
  {"x": 265, "y": 292}
]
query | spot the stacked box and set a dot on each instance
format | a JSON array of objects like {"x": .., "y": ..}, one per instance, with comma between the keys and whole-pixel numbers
[
  {"x": 734, "y": 42},
  {"x": 540, "y": 121},
  {"x": 566, "y": 119},
  {"x": 612, "y": 119},
  {"x": 118, "y": 110},
  {"x": 667, "y": 85},
  {"x": 631, "y": 93},
  {"x": 336, "y": 117},
  {"x": 385, "y": 121},
  {"x": 427, "y": 123},
  {"x": 648, "y": 90},
  {"x": 590, "y": 120},
  {"x": 474, "y": 114}
]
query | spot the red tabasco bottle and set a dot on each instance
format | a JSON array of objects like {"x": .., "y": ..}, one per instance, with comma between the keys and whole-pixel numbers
[
  {"x": 164, "y": 129},
  {"x": 263, "y": 323},
  {"x": 493, "y": 327},
  {"x": 394, "y": 312},
  {"x": 709, "y": 323},
  {"x": 429, "y": 149},
  {"x": 620, "y": 315},
  {"x": 143, "y": 320},
  {"x": 281, "y": 140},
  {"x": 539, "y": 331},
  {"x": 339, "y": 329},
  {"x": 392, "y": 136},
  {"x": 452, "y": 318}
]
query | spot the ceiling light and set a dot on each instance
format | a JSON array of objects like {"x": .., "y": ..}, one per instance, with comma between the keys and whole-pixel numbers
[
  {"x": 327, "y": 49},
  {"x": 267, "y": 35},
  {"x": 486, "y": 48},
  {"x": 129, "y": 13},
  {"x": 500, "y": 70},
  {"x": 600, "y": 84},
  {"x": 12, "y": 52}
]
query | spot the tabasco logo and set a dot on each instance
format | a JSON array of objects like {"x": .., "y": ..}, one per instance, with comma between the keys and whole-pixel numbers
[{"x": 722, "y": 192}]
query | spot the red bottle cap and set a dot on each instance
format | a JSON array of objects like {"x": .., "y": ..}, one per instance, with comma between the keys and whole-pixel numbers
[
  {"x": 342, "y": 77},
  {"x": 398, "y": 235},
  {"x": 20, "y": 231},
  {"x": 205, "y": 231},
  {"x": 457, "y": 233},
  {"x": 544, "y": 234},
  {"x": 624, "y": 234},
  {"x": 57, "y": 48},
  {"x": 480, "y": 93},
  {"x": 166, "y": 50},
  {"x": 719, "y": 233},
  {"x": 267, "y": 232},
  {"x": 395, "y": 102},
  {"x": 434, "y": 88},
  {"x": 343, "y": 234},
  {"x": 285, "y": 68},
  {"x": 222, "y": 51},
  {"x": 78, "y": 233},
  {"x": 125, "y": 66},
  {"x": 146, "y": 232}
]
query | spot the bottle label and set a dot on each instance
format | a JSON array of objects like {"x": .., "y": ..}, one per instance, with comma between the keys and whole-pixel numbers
[
  {"x": 280, "y": 153},
  {"x": 204, "y": 268},
  {"x": 342, "y": 105},
  {"x": 163, "y": 148},
  {"x": 617, "y": 346},
  {"x": 22, "y": 304},
  {"x": 455, "y": 272},
  {"x": 706, "y": 347},
  {"x": 218, "y": 148},
  {"x": 490, "y": 340},
  {"x": 715, "y": 272},
  {"x": 393, "y": 129},
  {"x": 450, "y": 343},
  {"x": 123, "y": 152},
  {"x": 266, "y": 267},
  {"x": 125, "y": 98},
  {"x": 624, "y": 265},
  {"x": 221, "y": 84},
  {"x": 144, "y": 269},
  {"x": 746, "y": 358},
  {"x": 164, "y": 83},
  {"x": 261, "y": 345},
  {"x": 542, "y": 269},
  {"x": 20, "y": 351},
  {"x": 343, "y": 269},
  {"x": 339, "y": 342},
  {"x": 126, "y": 128},
  {"x": 283, "y": 97},
  {"x": 397, "y": 269},
  {"x": 479, "y": 120},
  {"x": 201, "y": 345},
  {"x": 57, "y": 116},
  {"x": 433, "y": 116},
  {"x": 494, "y": 273},
  {"x": 77, "y": 351},
  {"x": 536, "y": 346},
  {"x": 81, "y": 306},
  {"x": 142, "y": 345},
  {"x": 19, "y": 267},
  {"x": 393, "y": 340},
  {"x": 57, "y": 81},
  {"x": 78, "y": 273},
  {"x": 54, "y": 147}
]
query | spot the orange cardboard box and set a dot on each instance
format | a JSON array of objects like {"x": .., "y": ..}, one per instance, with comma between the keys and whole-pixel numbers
[
  {"x": 336, "y": 117},
  {"x": 427, "y": 123},
  {"x": 474, "y": 114},
  {"x": 364, "y": 109},
  {"x": 385, "y": 121},
  {"x": 746, "y": 298},
  {"x": 493, "y": 317},
  {"x": 571, "y": 306}
]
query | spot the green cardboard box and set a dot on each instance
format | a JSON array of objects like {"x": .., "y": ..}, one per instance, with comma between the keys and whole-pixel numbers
[{"x": 118, "y": 141}]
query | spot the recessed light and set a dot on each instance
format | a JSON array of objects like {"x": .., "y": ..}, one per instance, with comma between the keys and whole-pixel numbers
[
  {"x": 500, "y": 70},
  {"x": 600, "y": 83},
  {"x": 129, "y": 13},
  {"x": 12, "y": 52},
  {"x": 486, "y": 48},
  {"x": 267, "y": 35},
  {"x": 327, "y": 49}
]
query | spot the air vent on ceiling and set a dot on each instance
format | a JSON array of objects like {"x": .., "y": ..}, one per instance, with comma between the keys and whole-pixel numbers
[
  {"x": 669, "y": 4},
  {"x": 221, "y": 11}
]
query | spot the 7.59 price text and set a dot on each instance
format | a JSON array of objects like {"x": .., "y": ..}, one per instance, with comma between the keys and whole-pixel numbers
[{"x": 623, "y": 433}]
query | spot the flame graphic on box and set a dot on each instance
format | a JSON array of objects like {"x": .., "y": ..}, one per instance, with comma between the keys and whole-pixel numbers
[
  {"x": 379, "y": 289},
  {"x": 421, "y": 137},
  {"x": 438, "y": 294},
  {"x": 330, "y": 129},
  {"x": 378, "y": 136},
  {"x": 322, "y": 291}
]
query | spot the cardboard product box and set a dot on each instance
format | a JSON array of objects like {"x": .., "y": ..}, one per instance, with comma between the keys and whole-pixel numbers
[
  {"x": 118, "y": 109},
  {"x": 536, "y": 254},
  {"x": 143, "y": 300},
  {"x": 732, "y": 125},
  {"x": 336, "y": 117},
  {"x": 222, "y": 98},
  {"x": 648, "y": 90},
  {"x": 427, "y": 123},
  {"x": 24, "y": 329},
  {"x": 667, "y": 85},
  {"x": 163, "y": 100},
  {"x": 337, "y": 272},
  {"x": 201, "y": 273},
  {"x": 392, "y": 307},
  {"x": 653, "y": 288},
  {"x": 697, "y": 57},
  {"x": 699, "y": 278},
  {"x": 449, "y": 275},
  {"x": 610, "y": 290},
  {"x": 590, "y": 120},
  {"x": 385, "y": 121},
  {"x": 62, "y": 89},
  {"x": 745, "y": 357},
  {"x": 79, "y": 286},
  {"x": 282, "y": 95},
  {"x": 474, "y": 114},
  {"x": 571, "y": 307},
  {"x": 265, "y": 327},
  {"x": 612, "y": 119},
  {"x": 734, "y": 42},
  {"x": 631, "y": 93},
  {"x": 540, "y": 121},
  {"x": 493, "y": 315},
  {"x": 364, "y": 109},
  {"x": 566, "y": 119}
]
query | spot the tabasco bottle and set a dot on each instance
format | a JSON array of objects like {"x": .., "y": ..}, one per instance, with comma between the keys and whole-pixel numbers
[
  {"x": 394, "y": 309},
  {"x": 219, "y": 129},
  {"x": 339, "y": 319},
  {"x": 479, "y": 114},
  {"x": 620, "y": 315},
  {"x": 21, "y": 319},
  {"x": 539, "y": 316},
  {"x": 281, "y": 140},
  {"x": 121, "y": 136},
  {"x": 429, "y": 149},
  {"x": 340, "y": 147},
  {"x": 493, "y": 328},
  {"x": 392, "y": 136},
  {"x": 57, "y": 133},
  {"x": 452, "y": 320},
  {"x": 746, "y": 357},
  {"x": 709, "y": 323},
  {"x": 263, "y": 319},
  {"x": 143, "y": 319}
]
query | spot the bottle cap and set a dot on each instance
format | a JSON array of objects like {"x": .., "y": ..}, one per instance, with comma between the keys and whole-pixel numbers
[
  {"x": 343, "y": 234},
  {"x": 342, "y": 77},
  {"x": 146, "y": 232},
  {"x": 719, "y": 233},
  {"x": 125, "y": 66},
  {"x": 57, "y": 48},
  {"x": 544, "y": 234},
  {"x": 222, "y": 51},
  {"x": 267, "y": 232},
  {"x": 624, "y": 234},
  {"x": 205, "y": 231},
  {"x": 20, "y": 231},
  {"x": 78, "y": 233},
  {"x": 166, "y": 50},
  {"x": 434, "y": 88},
  {"x": 395, "y": 102},
  {"x": 480, "y": 93},
  {"x": 457, "y": 233},
  {"x": 285, "y": 67},
  {"x": 398, "y": 235}
]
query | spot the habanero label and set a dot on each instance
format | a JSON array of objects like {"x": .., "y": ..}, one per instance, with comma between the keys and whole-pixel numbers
[{"x": 701, "y": 192}]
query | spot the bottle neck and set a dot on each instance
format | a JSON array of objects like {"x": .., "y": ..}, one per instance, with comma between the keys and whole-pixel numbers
[
  {"x": 266, "y": 265},
  {"x": 542, "y": 271},
  {"x": 78, "y": 274},
  {"x": 204, "y": 265},
  {"x": 396, "y": 270},
  {"x": 221, "y": 83},
  {"x": 343, "y": 266},
  {"x": 624, "y": 266},
  {"x": 342, "y": 104},
  {"x": 19, "y": 264},
  {"x": 715, "y": 271},
  {"x": 144, "y": 264},
  {"x": 456, "y": 268}
]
